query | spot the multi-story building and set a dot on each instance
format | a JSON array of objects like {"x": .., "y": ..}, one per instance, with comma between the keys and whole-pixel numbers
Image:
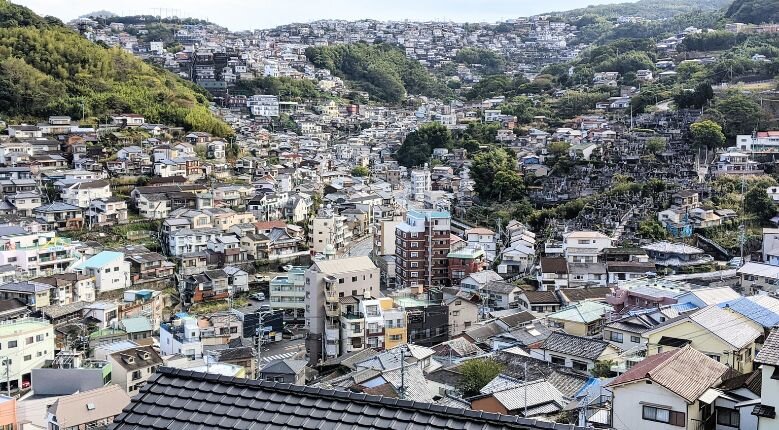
[
  {"x": 384, "y": 251},
  {"x": 26, "y": 344},
  {"x": 421, "y": 249},
  {"x": 328, "y": 228},
  {"x": 331, "y": 287},
  {"x": 288, "y": 293},
  {"x": 420, "y": 184},
  {"x": 182, "y": 336},
  {"x": 263, "y": 105},
  {"x": 35, "y": 254},
  {"x": 110, "y": 270}
]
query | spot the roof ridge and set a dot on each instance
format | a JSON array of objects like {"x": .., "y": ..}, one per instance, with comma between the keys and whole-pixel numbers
[{"x": 383, "y": 401}]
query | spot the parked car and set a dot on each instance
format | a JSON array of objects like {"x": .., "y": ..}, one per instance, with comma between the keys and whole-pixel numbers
[
  {"x": 260, "y": 297},
  {"x": 265, "y": 308}
]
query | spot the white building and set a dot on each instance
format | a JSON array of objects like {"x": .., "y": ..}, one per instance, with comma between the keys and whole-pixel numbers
[
  {"x": 110, "y": 270},
  {"x": 584, "y": 246},
  {"x": 420, "y": 184},
  {"x": 182, "y": 336},
  {"x": 82, "y": 193},
  {"x": 483, "y": 238},
  {"x": 263, "y": 105},
  {"x": 26, "y": 343}
]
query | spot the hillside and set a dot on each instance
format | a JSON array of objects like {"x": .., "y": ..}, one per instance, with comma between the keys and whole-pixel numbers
[
  {"x": 381, "y": 70},
  {"x": 754, "y": 11},
  {"x": 47, "y": 69},
  {"x": 650, "y": 9}
]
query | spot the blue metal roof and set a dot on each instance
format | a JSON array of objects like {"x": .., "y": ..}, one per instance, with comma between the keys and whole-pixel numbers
[
  {"x": 101, "y": 259},
  {"x": 747, "y": 307}
]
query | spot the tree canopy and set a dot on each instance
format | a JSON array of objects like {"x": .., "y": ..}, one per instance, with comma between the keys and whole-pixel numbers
[
  {"x": 754, "y": 11},
  {"x": 47, "y": 69},
  {"x": 382, "y": 70},
  {"x": 476, "y": 374}
]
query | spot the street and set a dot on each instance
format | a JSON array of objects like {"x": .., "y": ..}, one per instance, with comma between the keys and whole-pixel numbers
[
  {"x": 361, "y": 248},
  {"x": 284, "y": 349}
]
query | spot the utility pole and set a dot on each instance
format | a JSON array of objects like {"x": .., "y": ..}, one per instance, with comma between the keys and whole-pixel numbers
[
  {"x": 525, "y": 376},
  {"x": 402, "y": 372},
  {"x": 260, "y": 332}
]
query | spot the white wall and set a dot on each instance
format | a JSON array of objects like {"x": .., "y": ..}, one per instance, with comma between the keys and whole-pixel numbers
[{"x": 628, "y": 406}]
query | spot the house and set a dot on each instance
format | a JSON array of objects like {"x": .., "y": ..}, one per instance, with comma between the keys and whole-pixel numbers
[
  {"x": 131, "y": 368},
  {"x": 665, "y": 391},
  {"x": 286, "y": 371},
  {"x": 727, "y": 337},
  {"x": 483, "y": 238},
  {"x": 553, "y": 274},
  {"x": 81, "y": 194},
  {"x": 578, "y": 352},
  {"x": 758, "y": 277},
  {"x": 542, "y": 302},
  {"x": 110, "y": 270},
  {"x": 503, "y": 295},
  {"x": 676, "y": 254},
  {"x": 508, "y": 396},
  {"x": 765, "y": 409},
  {"x": 582, "y": 319},
  {"x": 88, "y": 409},
  {"x": 255, "y": 403},
  {"x": 462, "y": 314}
]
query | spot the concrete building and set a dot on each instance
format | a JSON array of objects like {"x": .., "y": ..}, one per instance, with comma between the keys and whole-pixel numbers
[
  {"x": 328, "y": 228},
  {"x": 327, "y": 284},
  {"x": 131, "y": 368},
  {"x": 422, "y": 246},
  {"x": 420, "y": 184},
  {"x": 288, "y": 293},
  {"x": 27, "y": 343},
  {"x": 110, "y": 270}
]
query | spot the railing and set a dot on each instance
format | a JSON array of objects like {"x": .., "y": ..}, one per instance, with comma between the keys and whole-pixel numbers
[{"x": 353, "y": 315}]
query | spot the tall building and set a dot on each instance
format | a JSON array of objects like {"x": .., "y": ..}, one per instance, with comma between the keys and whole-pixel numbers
[
  {"x": 26, "y": 343},
  {"x": 421, "y": 249},
  {"x": 384, "y": 251},
  {"x": 334, "y": 289},
  {"x": 421, "y": 182}
]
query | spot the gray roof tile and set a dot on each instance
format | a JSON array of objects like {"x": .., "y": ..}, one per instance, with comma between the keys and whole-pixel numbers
[{"x": 244, "y": 404}]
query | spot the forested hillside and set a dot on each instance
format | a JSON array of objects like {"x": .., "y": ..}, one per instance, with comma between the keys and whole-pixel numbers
[
  {"x": 651, "y": 9},
  {"x": 381, "y": 70},
  {"x": 754, "y": 11},
  {"x": 47, "y": 69}
]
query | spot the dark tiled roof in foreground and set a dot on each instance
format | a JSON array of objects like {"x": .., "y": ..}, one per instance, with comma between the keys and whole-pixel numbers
[{"x": 180, "y": 399}]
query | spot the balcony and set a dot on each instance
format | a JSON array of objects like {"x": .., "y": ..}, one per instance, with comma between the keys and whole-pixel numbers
[
  {"x": 353, "y": 315},
  {"x": 331, "y": 297},
  {"x": 331, "y": 310}
]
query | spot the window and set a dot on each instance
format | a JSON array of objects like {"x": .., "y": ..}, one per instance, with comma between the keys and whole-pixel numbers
[
  {"x": 728, "y": 417},
  {"x": 579, "y": 365},
  {"x": 27, "y": 357},
  {"x": 635, "y": 339},
  {"x": 396, "y": 337},
  {"x": 12, "y": 344},
  {"x": 615, "y": 336},
  {"x": 116, "y": 269},
  {"x": 651, "y": 413},
  {"x": 29, "y": 340},
  {"x": 455, "y": 313},
  {"x": 714, "y": 356},
  {"x": 557, "y": 360}
]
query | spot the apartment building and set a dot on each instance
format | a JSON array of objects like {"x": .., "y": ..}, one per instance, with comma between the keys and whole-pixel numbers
[
  {"x": 421, "y": 248},
  {"x": 328, "y": 228},
  {"x": 331, "y": 299},
  {"x": 26, "y": 343},
  {"x": 288, "y": 293}
]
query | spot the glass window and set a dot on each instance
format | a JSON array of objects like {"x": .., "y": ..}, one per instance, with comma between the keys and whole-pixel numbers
[{"x": 728, "y": 417}]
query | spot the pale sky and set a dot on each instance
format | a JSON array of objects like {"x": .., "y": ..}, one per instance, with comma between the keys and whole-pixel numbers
[{"x": 255, "y": 14}]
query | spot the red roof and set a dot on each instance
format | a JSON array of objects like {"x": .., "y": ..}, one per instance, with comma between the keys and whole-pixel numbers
[
  {"x": 768, "y": 134},
  {"x": 267, "y": 225}
]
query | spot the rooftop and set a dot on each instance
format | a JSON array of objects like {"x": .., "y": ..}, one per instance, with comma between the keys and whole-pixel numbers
[{"x": 181, "y": 399}]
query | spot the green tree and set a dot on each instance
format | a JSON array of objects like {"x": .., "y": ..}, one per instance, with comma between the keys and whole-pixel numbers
[
  {"x": 558, "y": 149},
  {"x": 707, "y": 133},
  {"x": 360, "y": 171},
  {"x": 476, "y": 374},
  {"x": 495, "y": 176},
  {"x": 656, "y": 145},
  {"x": 652, "y": 229},
  {"x": 602, "y": 369},
  {"x": 758, "y": 203},
  {"x": 741, "y": 114},
  {"x": 419, "y": 145}
]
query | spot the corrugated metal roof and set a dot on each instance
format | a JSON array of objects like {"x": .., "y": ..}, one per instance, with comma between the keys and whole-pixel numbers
[
  {"x": 532, "y": 394},
  {"x": 733, "y": 328}
]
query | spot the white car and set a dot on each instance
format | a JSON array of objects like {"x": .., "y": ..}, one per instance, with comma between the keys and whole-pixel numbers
[{"x": 260, "y": 297}]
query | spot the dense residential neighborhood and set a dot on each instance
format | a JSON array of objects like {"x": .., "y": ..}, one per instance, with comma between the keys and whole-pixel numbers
[{"x": 560, "y": 221}]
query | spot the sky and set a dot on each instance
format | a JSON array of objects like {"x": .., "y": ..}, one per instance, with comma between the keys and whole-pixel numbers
[{"x": 258, "y": 14}]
